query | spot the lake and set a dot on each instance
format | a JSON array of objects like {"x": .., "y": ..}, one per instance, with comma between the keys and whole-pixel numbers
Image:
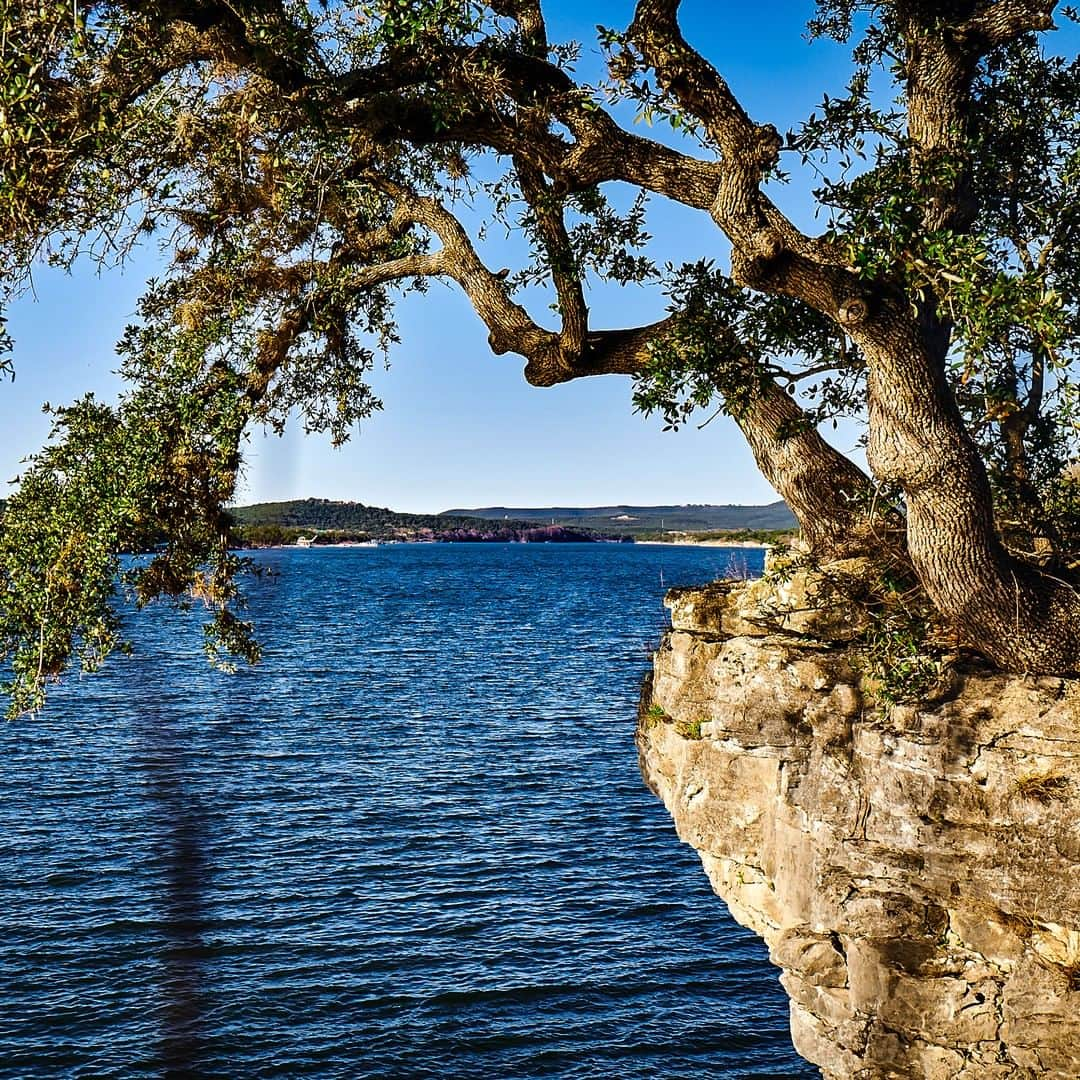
[{"x": 413, "y": 842}]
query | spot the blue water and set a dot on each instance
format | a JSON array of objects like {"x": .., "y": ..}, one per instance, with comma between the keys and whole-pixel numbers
[{"x": 412, "y": 843}]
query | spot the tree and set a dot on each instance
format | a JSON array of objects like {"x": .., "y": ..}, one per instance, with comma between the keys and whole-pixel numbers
[{"x": 305, "y": 164}]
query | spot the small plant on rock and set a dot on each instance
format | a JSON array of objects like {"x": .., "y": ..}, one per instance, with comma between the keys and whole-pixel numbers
[
  {"x": 689, "y": 729},
  {"x": 1045, "y": 788},
  {"x": 655, "y": 715}
]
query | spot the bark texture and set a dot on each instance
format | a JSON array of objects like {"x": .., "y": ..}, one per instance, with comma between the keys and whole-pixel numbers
[
  {"x": 830, "y": 495},
  {"x": 1021, "y": 618}
]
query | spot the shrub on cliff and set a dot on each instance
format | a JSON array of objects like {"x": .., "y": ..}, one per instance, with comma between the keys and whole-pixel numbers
[{"x": 307, "y": 162}]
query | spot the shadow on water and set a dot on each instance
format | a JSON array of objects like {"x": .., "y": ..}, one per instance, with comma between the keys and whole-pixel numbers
[{"x": 180, "y": 825}]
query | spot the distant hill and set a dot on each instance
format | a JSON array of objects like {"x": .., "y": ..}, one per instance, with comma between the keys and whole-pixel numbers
[
  {"x": 646, "y": 519},
  {"x": 326, "y": 514},
  {"x": 379, "y": 523}
]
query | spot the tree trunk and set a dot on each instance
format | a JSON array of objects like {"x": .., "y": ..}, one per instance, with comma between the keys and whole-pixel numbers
[
  {"x": 829, "y": 494},
  {"x": 832, "y": 498},
  {"x": 1021, "y": 619}
]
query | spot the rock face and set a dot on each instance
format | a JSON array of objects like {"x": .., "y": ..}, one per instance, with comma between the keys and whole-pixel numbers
[{"x": 915, "y": 872}]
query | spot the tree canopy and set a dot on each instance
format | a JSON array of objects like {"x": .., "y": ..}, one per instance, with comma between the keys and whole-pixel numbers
[{"x": 306, "y": 164}]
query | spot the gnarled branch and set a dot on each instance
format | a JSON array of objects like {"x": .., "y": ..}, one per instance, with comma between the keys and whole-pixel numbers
[{"x": 1003, "y": 21}]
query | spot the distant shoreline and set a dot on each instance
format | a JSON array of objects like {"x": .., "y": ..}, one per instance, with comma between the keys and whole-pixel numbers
[
  {"x": 709, "y": 543},
  {"x": 752, "y": 544},
  {"x": 441, "y": 543},
  {"x": 729, "y": 524}
]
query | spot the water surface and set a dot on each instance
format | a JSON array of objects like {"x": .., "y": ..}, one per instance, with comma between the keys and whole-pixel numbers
[{"x": 412, "y": 843}]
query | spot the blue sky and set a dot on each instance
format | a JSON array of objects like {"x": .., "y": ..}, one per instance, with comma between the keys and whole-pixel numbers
[{"x": 461, "y": 427}]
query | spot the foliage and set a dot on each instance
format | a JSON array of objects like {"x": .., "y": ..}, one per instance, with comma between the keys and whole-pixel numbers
[
  {"x": 765, "y": 537},
  {"x": 351, "y": 520},
  {"x": 654, "y": 522},
  {"x": 686, "y": 729},
  {"x": 1007, "y": 279},
  {"x": 899, "y": 659},
  {"x": 653, "y": 716},
  {"x": 304, "y": 165},
  {"x": 106, "y": 485},
  {"x": 260, "y": 536},
  {"x": 724, "y": 339}
]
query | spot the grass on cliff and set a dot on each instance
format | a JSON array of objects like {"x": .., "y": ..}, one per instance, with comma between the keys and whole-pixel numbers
[
  {"x": 1045, "y": 788},
  {"x": 688, "y": 729}
]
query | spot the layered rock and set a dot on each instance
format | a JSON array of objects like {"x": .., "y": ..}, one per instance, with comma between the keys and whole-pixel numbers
[{"x": 915, "y": 871}]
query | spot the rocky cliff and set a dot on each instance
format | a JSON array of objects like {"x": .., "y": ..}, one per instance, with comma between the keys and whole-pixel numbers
[{"x": 915, "y": 871}]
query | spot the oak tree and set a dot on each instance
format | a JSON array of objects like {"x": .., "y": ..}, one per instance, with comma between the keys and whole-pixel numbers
[{"x": 305, "y": 164}]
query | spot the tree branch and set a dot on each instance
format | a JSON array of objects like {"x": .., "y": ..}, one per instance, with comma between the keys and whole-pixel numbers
[
  {"x": 941, "y": 62},
  {"x": 1004, "y": 21},
  {"x": 261, "y": 33},
  {"x": 530, "y": 20},
  {"x": 552, "y": 227},
  {"x": 828, "y": 493},
  {"x": 769, "y": 252},
  {"x": 510, "y": 329},
  {"x": 748, "y": 150},
  {"x": 698, "y": 87}
]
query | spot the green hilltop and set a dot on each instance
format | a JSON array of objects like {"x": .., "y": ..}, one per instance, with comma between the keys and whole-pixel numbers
[
  {"x": 378, "y": 521},
  {"x": 642, "y": 520},
  {"x": 283, "y": 522}
]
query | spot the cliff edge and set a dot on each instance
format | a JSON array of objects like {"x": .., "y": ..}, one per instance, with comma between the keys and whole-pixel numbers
[{"x": 914, "y": 870}]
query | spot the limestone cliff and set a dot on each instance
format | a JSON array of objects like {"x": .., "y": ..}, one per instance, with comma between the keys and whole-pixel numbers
[{"x": 914, "y": 871}]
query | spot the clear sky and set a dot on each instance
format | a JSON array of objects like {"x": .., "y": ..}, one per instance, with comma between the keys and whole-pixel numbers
[{"x": 461, "y": 427}]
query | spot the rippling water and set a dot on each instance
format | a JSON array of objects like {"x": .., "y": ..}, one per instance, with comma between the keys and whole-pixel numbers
[{"x": 412, "y": 843}]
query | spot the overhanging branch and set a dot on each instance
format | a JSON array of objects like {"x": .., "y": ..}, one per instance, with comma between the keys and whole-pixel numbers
[{"x": 1004, "y": 21}]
